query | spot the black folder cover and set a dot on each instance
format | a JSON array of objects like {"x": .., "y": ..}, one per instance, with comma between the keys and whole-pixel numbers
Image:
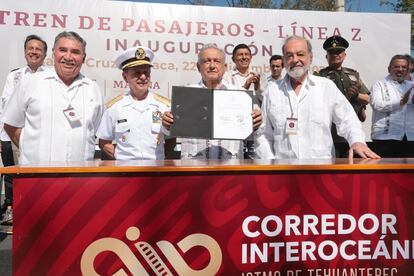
[{"x": 192, "y": 108}]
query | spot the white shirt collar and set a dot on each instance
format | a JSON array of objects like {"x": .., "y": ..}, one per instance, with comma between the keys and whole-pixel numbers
[
  {"x": 27, "y": 69},
  {"x": 237, "y": 72},
  {"x": 220, "y": 86},
  {"x": 309, "y": 80},
  {"x": 80, "y": 79}
]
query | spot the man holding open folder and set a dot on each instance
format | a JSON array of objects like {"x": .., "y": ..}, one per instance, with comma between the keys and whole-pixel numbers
[{"x": 211, "y": 65}]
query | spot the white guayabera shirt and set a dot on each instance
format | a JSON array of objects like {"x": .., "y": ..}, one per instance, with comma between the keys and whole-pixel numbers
[
  {"x": 390, "y": 120},
  {"x": 318, "y": 105},
  {"x": 37, "y": 106},
  {"x": 13, "y": 79}
]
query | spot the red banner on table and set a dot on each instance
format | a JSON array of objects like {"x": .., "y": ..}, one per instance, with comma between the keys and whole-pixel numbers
[{"x": 215, "y": 224}]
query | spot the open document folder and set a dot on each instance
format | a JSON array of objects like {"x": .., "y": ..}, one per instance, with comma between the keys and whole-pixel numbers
[{"x": 211, "y": 113}]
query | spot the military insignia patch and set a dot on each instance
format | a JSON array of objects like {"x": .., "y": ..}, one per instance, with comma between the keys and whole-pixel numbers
[{"x": 140, "y": 53}]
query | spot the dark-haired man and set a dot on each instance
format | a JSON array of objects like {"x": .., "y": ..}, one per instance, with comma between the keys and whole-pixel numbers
[
  {"x": 59, "y": 109},
  {"x": 35, "y": 49},
  {"x": 276, "y": 68},
  {"x": 393, "y": 112},
  {"x": 243, "y": 78}
]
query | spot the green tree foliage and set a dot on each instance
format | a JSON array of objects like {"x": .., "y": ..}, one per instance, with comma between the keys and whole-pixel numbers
[
  {"x": 262, "y": 4},
  {"x": 200, "y": 2},
  {"x": 403, "y": 6},
  {"x": 316, "y": 5}
]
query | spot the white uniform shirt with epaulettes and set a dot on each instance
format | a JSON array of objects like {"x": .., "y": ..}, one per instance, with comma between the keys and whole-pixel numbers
[
  {"x": 13, "y": 79},
  {"x": 135, "y": 126}
]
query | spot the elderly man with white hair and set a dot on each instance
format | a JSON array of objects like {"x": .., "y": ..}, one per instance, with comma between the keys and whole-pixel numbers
[
  {"x": 298, "y": 112},
  {"x": 211, "y": 64}
]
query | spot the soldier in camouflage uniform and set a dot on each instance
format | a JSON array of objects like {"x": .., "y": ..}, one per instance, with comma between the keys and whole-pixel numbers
[{"x": 348, "y": 81}]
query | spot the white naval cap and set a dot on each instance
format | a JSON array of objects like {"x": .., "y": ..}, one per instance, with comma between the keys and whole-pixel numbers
[{"x": 134, "y": 56}]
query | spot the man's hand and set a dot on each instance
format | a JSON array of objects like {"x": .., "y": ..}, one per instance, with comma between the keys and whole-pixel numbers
[
  {"x": 363, "y": 99},
  {"x": 108, "y": 148},
  {"x": 362, "y": 115},
  {"x": 14, "y": 133},
  {"x": 406, "y": 96},
  {"x": 362, "y": 150},
  {"x": 257, "y": 118},
  {"x": 255, "y": 79},
  {"x": 352, "y": 91},
  {"x": 167, "y": 119}
]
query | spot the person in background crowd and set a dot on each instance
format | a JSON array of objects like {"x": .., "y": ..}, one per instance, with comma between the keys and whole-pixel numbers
[
  {"x": 392, "y": 118},
  {"x": 211, "y": 64},
  {"x": 348, "y": 82},
  {"x": 53, "y": 115},
  {"x": 276, "y": 68},
  {"x": 410, "y": 75},
  {"x": 134, "y": 120},
  {"x": 242, "y": 77},
  {"x": 35, "y": 50},
  {"x": 299, "y": 110}
]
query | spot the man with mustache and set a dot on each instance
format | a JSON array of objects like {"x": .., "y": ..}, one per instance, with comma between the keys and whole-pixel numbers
[
  {"x": 134, "y": 120},
  {"x": 53, "y": 115},
  {"x": 298, "y": 112},
  {"x": 348, "y": 82},
  {"x": 35, "y": 50},
  {"x": 393, "y": 111},
  {"x": 211, "y": 64}
]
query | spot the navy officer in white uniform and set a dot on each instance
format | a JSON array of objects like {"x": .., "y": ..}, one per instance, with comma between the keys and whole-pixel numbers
[{"x": 133, "y": 121}]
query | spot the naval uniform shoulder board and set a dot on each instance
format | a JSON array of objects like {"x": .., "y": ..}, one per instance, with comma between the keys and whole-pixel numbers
[
  {"x": 114, "y": 100},
  {"x": 162, "y": 99}
]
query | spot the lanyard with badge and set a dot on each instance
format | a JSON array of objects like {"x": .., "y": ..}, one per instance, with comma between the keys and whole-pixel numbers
[
  {"x": 70, "y": 113},
  {"x": 291, "y": 122}
]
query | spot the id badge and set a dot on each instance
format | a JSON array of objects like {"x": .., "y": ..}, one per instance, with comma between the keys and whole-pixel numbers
[
  {"x": 291, "y": 126},
  {"x": 156, "y": 117},
  {"x": 71, "y": 114}
]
